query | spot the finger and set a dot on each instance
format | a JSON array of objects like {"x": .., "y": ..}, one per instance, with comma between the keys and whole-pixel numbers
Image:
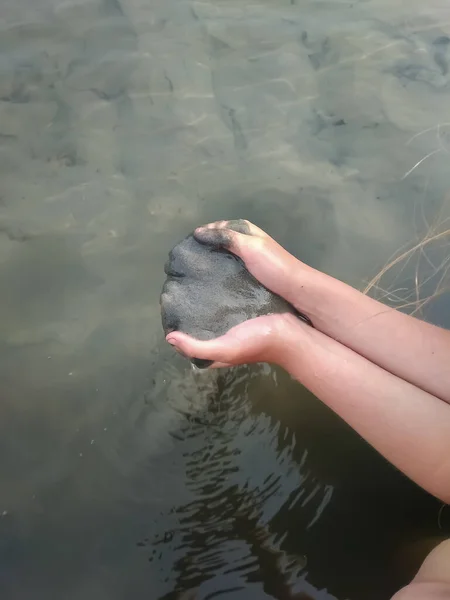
[
  {"x": 221, "y": 236},
  {"x": 221, "y": 349},
  {"x": 239, "y": 225},
  {"x": 250, "y": 228}
]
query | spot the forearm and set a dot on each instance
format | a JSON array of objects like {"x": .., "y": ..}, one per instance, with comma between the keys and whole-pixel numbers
[
  {"x": 407, "y": 425},
  {"x": 412, "y": 349}
]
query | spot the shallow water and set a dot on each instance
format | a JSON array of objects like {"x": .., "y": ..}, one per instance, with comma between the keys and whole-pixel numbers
[{"x": 124, "y": 124}]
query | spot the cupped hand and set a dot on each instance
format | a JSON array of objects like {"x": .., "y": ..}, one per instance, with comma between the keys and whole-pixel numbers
[
  {"x": 265, "y": 259},
  {"x": 261, "y": 339},
  {"x": 257, "y": 340}
]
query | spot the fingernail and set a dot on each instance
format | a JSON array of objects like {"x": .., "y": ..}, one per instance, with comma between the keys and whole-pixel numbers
[{"x": 171, "y": 341}]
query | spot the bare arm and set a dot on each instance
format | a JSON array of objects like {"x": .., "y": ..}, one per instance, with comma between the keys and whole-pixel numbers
[
  {"x": 383, "y": 372},
  {"x": 413, "y": 350},
  {"x": 409, "y": 426}
]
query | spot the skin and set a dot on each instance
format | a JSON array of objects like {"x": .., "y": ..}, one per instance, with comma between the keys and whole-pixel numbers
[
  {"x": 218, "y": 285},
  {"x": 385, "y": 373}
]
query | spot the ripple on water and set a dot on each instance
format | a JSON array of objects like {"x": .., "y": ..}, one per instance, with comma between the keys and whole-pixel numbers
[{"x": 238, "y": 477}]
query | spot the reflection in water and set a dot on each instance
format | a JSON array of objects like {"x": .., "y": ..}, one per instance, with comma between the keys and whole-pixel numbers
[
  {"x": 124, "y": 124},
  {"x": 224, "y": 533}
]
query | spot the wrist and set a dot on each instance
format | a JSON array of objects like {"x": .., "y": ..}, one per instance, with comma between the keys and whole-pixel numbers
[
  {"x": 316, "y": 294},
  {"x": 292, "y": 336},
  {"x": 301, "y": 283}
]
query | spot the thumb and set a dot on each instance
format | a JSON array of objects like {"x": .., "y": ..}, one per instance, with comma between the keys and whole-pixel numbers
[
  {"x": 236, "y": 236},
  {"x": 251, "y": 341},
  {"x": 222, "y": 349}
]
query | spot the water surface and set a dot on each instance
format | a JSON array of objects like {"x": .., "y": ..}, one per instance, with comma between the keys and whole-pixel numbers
[{"x": 123, "y": 125}]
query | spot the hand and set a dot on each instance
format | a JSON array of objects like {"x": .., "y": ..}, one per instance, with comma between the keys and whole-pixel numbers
[
  {"x": 267, "y": 261},
  {"x": 260, "y": 339}
]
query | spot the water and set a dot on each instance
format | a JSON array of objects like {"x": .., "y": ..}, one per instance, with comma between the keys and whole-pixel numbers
[{"x": 123, "y": 125}]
